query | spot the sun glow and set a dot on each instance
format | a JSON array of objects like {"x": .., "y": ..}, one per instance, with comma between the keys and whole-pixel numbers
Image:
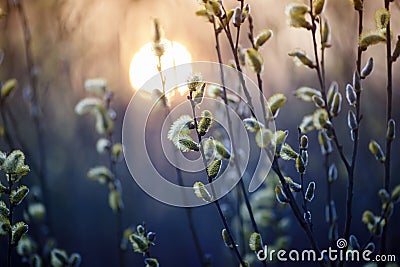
[{"x": 144, "y": 63}]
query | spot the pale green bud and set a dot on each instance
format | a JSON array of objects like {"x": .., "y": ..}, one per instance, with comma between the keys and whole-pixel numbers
[
  {"x": 333, "y": 89},
  {"x": 252, "y": 124},
  {"x": 254, "y": 60},
  {"x": 201, "y": 192},
  {"x": 228, "y": 241},
  {"x": 310, "y": 191},
  {"x": 151, "y": 262},
  {"x": 275, "y": 102},
  {"x": 255, "y": 242},
  {"x": 351, "y": 95},
  {"x": 352, "y": 120},
  {"x": 396, "y": 194},
  {"x": 336, "y": 104},
  {"x": 391, "y": 130},
  {"x": 376, "y": 151},
  {"x": 199, "y": 95},
  {"x": 140, "y": 243},
  {"x": 318, "y": 101},
  {"x": 213, "y": 168},
  {"x": 280, "y": 195},
  {"x": 205, "y": 122},
  {"x": 304, "y": 142},
  {"x": 187, "y": 144},
  {"x": 96, "y": 86},
  {"x": 8, "y": 87},
  {"x": 18, "y": 230},
  {"x": 367, "y": 68},
  {"x": 18, "y": 195},
  {"x": 306, "y": 93}
]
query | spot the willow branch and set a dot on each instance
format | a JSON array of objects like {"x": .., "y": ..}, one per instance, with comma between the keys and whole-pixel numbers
[
  {"x": 216, "y": 202},
  {"x": 389, "y": 66},
  {"x": 350, "y": 186},
  {"x": 189, "y": 214}
]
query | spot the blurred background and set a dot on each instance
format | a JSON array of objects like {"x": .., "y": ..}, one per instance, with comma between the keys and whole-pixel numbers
[{"x": 74, "y": 40}]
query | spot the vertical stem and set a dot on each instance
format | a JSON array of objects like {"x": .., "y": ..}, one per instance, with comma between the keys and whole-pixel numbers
[
  {"x": 238, "y": 28},
  {"x": 327, "y": 155},
  {"x": 389, "y": 64},
  {"x": 116, "y": 185},
  {"x": 317, "y": 67},
  {"x": 328, "y": 193},
  {"x": 295, "y": 208},
  {"x": 216, "y": 202},
  {"x": 350, "y": 185},
  {"x": 328, "y": 188},
  {"x": 10, "y": 218},
  {"x": 230, "y": 131},
  {"x": 241, "y": 222},
  {"x": 189, "y": 214},
  {"x": 119, "y": 236},
  {"x": 259, "y": 79},
  {"x": 321, "y": 80},
  {"x": 303, "y": 194},
  {"x": 237, "y": 63},
  {"x": 276, "y": 168}
]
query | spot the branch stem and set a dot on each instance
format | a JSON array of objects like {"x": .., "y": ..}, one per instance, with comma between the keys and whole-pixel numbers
[
  {"x": 350, "y": 184},
  {"x": 231, "y": 134},
  {"x": 234, "y": 50},
  {"x": 389, "y": 66},
  {"x": 210, "y": 180},
  {"x": 295, "y": 208},
  {"x": 10, "y": 219},
  {"x": 178, "y": 171}
]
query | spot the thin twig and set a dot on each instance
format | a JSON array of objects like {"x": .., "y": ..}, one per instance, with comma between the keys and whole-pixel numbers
[
  {"x": 295, "y": 208},
  {"x": 323, "y": 87},
  {"x": 238, "y": 28},
  {"x": 228, "y": 34},
  {"x": 329, "y": 199},
  {"x": 259, "y": 79},
  {"x": 178, "y": 171},
  {"x": 350, "y": 186},
  {"x": 389, "y": 66},
  {"x": 382, "y": 217},
  {"x": 10, "y": 218},
  {"x": 349, "y": 165},
  {"x": 303, "y": 192},
  {"x": 230, "y": 131},
  {"x": 275, "y": 166},
  {"x": 216, "y": 202},
  {"x": 115, "y": 184},
  {"x": 240, "y": 219}
]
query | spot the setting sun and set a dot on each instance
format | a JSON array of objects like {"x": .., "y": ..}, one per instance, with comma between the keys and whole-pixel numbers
[{"x": 144, "y": 63}]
